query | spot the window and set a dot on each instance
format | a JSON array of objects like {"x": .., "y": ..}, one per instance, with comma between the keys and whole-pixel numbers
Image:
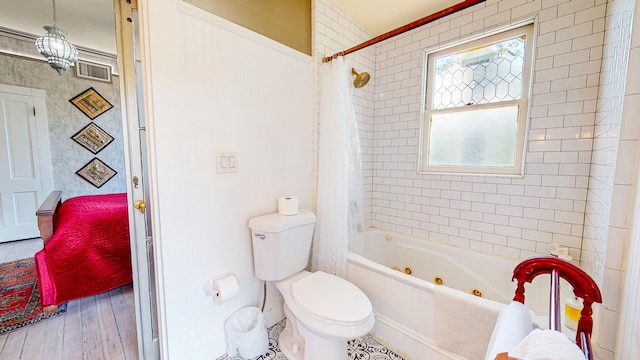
[{"x": 476, "y": 105}]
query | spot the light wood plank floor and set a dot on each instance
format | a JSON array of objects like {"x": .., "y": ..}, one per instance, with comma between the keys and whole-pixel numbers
[{"x": 93, "y": 328}]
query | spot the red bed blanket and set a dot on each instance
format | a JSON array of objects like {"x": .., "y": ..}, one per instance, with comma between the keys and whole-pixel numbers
[{"x": 89, "y": 252}]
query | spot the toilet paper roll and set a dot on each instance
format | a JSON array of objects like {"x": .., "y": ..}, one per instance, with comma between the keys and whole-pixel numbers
[
  {"x": 225, "y": 288},
  {"x": 288, "y": 205}
]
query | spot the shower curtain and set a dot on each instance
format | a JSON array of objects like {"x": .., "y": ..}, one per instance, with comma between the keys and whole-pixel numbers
[{"x": 340, "y": 199}]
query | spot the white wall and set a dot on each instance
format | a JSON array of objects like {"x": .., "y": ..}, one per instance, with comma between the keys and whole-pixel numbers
[
  {"x": 217, "y": 87},
  {"x": 585, "y": 91},
  {"x": 234, "y": 91},
  {"x": 613, "y": 182},
  {"x": 334, "y": 32},
  {"x": 613, "y": 76},
  {"x": 511, "y": 216},
  {"x": 582, "y": 146}
]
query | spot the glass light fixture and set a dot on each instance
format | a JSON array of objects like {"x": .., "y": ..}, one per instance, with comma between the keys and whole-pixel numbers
[{"x": 59, "y": 52}]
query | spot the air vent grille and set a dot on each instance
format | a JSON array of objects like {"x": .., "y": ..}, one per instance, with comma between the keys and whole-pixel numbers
[{"x": 88, "y": 70}]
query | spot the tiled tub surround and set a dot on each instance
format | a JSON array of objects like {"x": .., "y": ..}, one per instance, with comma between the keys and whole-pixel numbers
[
  {"x": 582, "y": 127},
  {"x": 404, "y": 305},
  {"x": 577, "y": 185},
  {"x": 512, "y": 216},
  {"x": 334, "y": 32}
]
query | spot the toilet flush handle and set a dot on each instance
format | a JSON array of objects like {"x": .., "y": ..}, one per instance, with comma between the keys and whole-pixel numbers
[{"x": 259, "y": 236}]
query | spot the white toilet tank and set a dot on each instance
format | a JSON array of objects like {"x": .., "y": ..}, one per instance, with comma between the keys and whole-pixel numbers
[{"x": 281, "y": 244}]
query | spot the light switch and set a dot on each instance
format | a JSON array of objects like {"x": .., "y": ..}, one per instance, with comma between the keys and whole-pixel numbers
[{"x": 226, "y": 162}]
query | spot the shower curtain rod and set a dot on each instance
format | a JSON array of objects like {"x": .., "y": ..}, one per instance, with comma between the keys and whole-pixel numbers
[{"x": 425, "y": 20}]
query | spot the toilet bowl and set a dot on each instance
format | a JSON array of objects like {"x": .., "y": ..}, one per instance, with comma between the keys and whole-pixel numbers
[{"x": 323, "y": 312}]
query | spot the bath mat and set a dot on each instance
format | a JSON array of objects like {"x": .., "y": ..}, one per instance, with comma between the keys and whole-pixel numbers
[{"x": 19, "y": 296}]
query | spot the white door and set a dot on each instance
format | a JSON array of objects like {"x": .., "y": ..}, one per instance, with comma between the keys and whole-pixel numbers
[
  {"x": 25, "y": 161},
  {"x": 138, "y": 192}
]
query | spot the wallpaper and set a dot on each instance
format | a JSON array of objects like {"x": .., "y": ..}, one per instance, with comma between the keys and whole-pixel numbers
[{"x": 64, "y": 120}]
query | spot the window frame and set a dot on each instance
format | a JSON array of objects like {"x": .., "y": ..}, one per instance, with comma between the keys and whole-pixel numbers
[{"x": 523, "y": 103}]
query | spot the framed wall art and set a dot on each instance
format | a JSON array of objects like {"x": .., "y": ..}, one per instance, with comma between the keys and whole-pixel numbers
[
  {"x": 91, "y": 103},
  {"x": 93, "y": 138},
  {"x": 96, "y": 172}
]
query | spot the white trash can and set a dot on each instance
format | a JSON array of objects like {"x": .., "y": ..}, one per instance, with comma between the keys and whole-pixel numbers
[{"x": 247, "y": 333}]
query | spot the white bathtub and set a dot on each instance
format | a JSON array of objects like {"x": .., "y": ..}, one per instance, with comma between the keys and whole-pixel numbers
[{"x": 404, "y": 304}]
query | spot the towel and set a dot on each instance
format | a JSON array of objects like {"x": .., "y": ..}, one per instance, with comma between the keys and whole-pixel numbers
[
  {"x": 464, "y": 322},
  {"x": 547, "y": 345},
  {"x": 513, "y": 325}
]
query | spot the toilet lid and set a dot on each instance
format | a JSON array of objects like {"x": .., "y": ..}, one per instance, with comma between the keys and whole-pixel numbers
[{"x": 331, "y": 297}]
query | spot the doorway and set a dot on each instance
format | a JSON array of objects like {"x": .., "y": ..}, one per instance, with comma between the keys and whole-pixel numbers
[
  {"x": 142, "y": 255},
  {"x": 142, "y": 246}
]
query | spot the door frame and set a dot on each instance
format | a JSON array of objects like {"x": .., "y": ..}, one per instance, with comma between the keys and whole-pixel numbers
[{"x": 148, "y": 344}]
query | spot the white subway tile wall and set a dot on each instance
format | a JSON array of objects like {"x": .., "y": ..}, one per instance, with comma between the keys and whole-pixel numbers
[
  {"x": 613, "y": 184},
  {"x": 582, "y": 124},
  {"x": 517, "y": 217},
  {"x": 334, "y": 32},
  {"x": 606, "y": 132}
]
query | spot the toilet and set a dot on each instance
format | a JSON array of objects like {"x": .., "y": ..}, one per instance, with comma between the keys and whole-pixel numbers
[{"x": 323, "y": 311}]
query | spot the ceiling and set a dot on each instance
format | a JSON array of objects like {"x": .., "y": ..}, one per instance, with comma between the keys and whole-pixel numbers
[
  {"x": 90, "y": 23},
  {"x": 381, "y": 16}
]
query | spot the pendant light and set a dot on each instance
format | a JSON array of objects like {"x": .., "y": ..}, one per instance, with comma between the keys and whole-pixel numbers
[{"x": 59, "y": 52}]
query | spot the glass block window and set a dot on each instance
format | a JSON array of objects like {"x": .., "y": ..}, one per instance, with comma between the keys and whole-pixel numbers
[{"x": 476, "y": 105}]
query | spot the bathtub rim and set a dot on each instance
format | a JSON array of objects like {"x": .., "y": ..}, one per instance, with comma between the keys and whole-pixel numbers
[
  {"x": 415, "y": 242},
  {"x": 540, "y": 305},
  {"x": 369, "y": 264}
]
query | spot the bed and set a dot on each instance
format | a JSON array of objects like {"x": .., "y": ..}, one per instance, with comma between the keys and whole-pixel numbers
[
  {"x": 86, "y": 247},
  {"x": 514, "y": 335}
]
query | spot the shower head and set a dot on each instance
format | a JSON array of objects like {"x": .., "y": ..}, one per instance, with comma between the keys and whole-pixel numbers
[{"x": 361, "y": 79}]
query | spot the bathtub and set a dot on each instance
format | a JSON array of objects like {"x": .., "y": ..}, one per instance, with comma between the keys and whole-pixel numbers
[{"x": 404, "y": 303}]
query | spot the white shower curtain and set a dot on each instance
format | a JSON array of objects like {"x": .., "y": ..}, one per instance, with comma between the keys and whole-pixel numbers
[{"x": 340, "y": 199}]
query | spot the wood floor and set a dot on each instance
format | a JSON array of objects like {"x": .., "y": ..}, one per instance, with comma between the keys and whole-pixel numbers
[{"x": 93, "y": 328}]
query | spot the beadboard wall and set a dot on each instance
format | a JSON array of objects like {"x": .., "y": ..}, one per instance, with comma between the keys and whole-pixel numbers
[{"x": 235, "y": 91}]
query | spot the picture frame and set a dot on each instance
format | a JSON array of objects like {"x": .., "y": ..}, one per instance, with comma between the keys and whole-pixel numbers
[
  {"x": 96, "y": 172},
  {"x": 92, "y": 138},
  {"x": 91, "y": 103}
]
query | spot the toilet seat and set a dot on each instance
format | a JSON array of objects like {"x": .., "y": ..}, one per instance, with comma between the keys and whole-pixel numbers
[
  {"x": 323, "y": 326},
  {"x": 331, "y": 298}
]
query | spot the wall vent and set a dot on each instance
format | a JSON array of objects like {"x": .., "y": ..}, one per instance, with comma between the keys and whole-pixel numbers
[{"x": 93, "y": 71}]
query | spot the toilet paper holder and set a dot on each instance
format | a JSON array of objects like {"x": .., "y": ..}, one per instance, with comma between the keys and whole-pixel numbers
[
  {"x": 216, "y": 285},
  {"x": 209, "y": 289}
]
